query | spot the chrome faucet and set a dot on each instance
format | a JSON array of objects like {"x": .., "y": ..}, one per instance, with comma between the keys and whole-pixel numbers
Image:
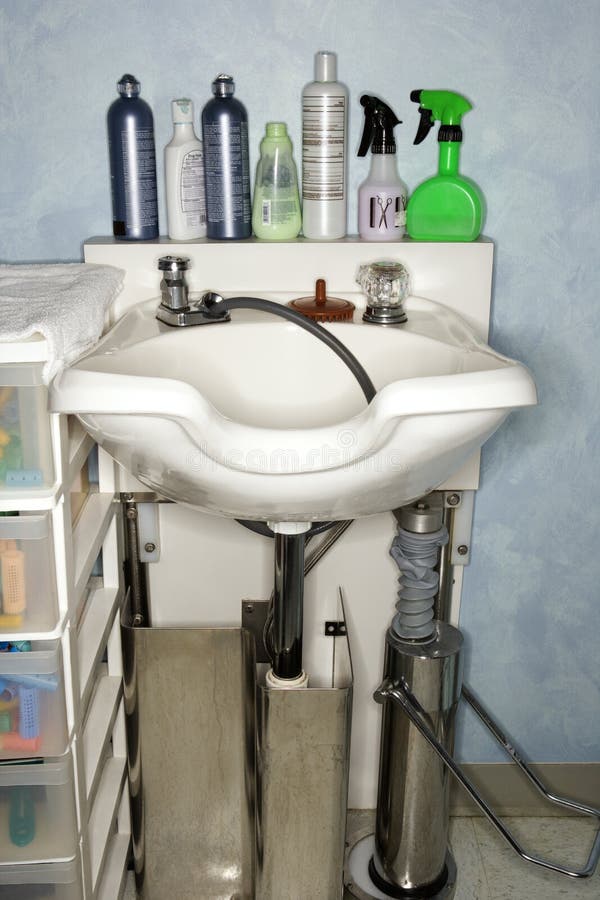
[{"x": 175, "y": 307}]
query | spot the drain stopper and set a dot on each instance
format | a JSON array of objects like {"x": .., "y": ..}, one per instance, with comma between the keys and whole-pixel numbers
[{"x": 323, "y": 308}]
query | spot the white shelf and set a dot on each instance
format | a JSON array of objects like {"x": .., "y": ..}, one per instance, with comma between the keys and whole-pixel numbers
[
  {"x": 98, "y": 728},
  {"x": 104, "y": 812},
  {"x": 32, "y": 501},
  {"x": 88, "y": 536},
  {"x": 101, "y": 608},
  {"x": 114, "y": 876},
  {"x": 31, "y": 349}
]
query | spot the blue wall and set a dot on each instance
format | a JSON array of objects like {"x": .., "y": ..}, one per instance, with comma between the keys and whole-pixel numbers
[{"x": 532, "y": 593}]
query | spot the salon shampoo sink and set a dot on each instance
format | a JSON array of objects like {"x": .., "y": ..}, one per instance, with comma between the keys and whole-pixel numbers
[{"x": 256, "y": 419}]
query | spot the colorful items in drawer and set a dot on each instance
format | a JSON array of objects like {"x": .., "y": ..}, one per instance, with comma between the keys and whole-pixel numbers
[
  {"x": 19, "y": 701},
  {"x": 24, "y": 478},
  {"x": 12, "y": 602},
  {"x": 11, "y": 450},
  {"x": 38, "y": 821},
  {"x": 29, "y": 713},
  {"x": 21, "y": 819},
  {"x": 11, "y": 456}
]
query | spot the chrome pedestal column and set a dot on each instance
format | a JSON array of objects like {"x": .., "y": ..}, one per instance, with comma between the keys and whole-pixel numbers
[
  {"x": 411, "y": 836},
  {"x": 410, "y": 856}
]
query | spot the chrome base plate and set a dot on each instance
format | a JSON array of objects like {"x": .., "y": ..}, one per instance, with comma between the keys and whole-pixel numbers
[
  {"x": 357, "y": 882},
  {"x": 385, "y": 315}
]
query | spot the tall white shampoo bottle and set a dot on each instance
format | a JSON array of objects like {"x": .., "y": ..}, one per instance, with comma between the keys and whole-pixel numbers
[
  {"x": 324, "y": 152},
  {"x": 184, "y": 176}
]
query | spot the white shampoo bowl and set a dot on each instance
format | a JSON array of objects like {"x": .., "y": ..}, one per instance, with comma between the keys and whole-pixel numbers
[{"x": 257, "y": 419}]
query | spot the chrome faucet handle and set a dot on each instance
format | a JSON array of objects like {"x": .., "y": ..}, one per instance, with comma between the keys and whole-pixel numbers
[
  {"x": 173, "y": 287},
  {"x": 175, "y": 308},
  {"x": 386, "y": 284}
]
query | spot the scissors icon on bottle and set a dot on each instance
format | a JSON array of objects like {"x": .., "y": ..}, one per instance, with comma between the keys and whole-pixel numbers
[{"x": 383, "y": 219}]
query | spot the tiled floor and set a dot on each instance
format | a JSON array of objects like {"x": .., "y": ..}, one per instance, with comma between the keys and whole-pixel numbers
[{"x": 489, "y": 870}]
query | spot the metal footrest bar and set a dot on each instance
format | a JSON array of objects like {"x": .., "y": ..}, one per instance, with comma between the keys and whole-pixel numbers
[
  {"x": 516, "y": 757},
  {"x": 401, "y": 695}
]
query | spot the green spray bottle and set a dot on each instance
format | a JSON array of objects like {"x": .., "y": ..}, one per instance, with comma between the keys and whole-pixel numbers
[{"x": 447, "y": 207}]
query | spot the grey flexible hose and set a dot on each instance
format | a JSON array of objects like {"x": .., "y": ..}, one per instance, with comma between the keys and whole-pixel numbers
[{"x": 416, "y": 556}]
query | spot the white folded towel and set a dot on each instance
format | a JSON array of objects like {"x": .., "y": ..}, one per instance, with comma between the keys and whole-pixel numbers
[{"x": 66, "y": 303}]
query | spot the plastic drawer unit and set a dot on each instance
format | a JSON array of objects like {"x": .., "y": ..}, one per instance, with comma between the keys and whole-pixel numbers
[
  {"x": 25, "y": 447},
  {"x": 37, "y": 812},
  {"x": 27, "y": 583},
  {"x": 33, "y": 718},
  {"x": 51, "y": 881}
]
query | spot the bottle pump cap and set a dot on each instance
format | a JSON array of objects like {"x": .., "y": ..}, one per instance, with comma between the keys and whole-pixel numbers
[
  {"x": 182, "y": 111},
  {"x": 128, "y": 85},
  {"x": 223, "y": 86},
  {"x": 325, "y": 66}
]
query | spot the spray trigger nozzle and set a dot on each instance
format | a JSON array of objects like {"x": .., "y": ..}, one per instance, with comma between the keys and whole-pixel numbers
[
  {"x": 426, "y": 123},
  {"x": 445, "y": 107},
  {"x": 380, "y": 121}
]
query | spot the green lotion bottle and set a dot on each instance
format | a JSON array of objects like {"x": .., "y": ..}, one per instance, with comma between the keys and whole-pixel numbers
[
  {"x": 276, "y": 212},
  {"x": 449, "y": 206}
]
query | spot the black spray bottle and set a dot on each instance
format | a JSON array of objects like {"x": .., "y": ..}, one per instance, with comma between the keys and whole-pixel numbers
[
  {"x": 226, "y": 164},
  {"x": 382, "y": 196},
  {"x": 132, "y": 164}
]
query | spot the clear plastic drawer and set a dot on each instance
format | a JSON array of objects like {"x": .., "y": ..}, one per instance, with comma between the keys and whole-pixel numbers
[
  {"x": 52, "y": 881},
  {"x": 27, "y": 583},
  {"x": 25, "y": 446},
  {"x": 37, "y": 812},
  {"x": 33, "y": 720}
]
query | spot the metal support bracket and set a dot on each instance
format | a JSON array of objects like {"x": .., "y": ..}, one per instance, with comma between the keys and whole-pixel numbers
[
  {"x": 148, "y": 529},
  {"x": 143, "y": 497},
  {"x": 148, "y": 532},
  {"x": 254, "y": 619},
  {"x": 462, "y": 503},
  {"x": 135, "y": 570},
  {"x": 399, "y": 693},
  {"x": 335, "y": 629}
]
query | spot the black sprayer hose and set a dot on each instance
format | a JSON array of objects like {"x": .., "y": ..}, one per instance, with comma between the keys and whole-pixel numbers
[
  {"x": 303, "y": 321},
  {"x": 285, "y": 312}
]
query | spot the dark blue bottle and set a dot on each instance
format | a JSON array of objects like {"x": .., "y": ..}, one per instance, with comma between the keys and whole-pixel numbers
[
  {"x": 132, "y": 164},
  {"x": 226, "y": 164}
]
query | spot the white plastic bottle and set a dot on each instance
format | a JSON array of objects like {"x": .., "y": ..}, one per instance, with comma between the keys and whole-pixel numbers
[
  {"x": 184, "y": 176},
  {"x": 324, "y": 152}
]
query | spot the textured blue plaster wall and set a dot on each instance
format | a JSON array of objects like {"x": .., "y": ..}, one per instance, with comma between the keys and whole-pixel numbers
[{"x": 532, "y": 592}]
